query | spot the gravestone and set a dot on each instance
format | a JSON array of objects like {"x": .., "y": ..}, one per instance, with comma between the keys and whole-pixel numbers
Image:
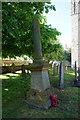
[
  {"x": 61, "y": 80},
  {"x": 54, "y": 69},
  {"x": 39, "y": 94},
  {"x": 78, "y": 73},
  {"x": 76, "y": 82},
  {"x": 58, "y": 68},
  {"x": 75, "y": 73}
]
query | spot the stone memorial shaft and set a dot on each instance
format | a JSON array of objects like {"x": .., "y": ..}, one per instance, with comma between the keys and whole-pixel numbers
[
  {"x": 38, "y": 95},
  {"x": 37, "y": 40},
  {"x": 39, "y": 73}
]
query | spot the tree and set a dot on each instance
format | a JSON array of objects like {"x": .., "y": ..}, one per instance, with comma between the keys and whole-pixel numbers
[
  {"x": 55, "y": 52},
  {"x": 67, "y": 55},
  {"x": 17, "y": 31}
]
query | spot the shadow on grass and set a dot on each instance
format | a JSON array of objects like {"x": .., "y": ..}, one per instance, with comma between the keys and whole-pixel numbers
[
  {"x": 68, "y": 79},
  {"x": 14, "y": 91}
]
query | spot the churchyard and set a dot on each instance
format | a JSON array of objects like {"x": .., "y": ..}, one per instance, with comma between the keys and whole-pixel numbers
[
  {"x": 38, "y": 89},
  {"x": 14, "y": 92}
]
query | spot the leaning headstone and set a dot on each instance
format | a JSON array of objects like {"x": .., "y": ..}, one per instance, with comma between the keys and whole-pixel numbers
[
  {"x": 61, "y": 80},
  {"x": 54, "y": 69},
  {"x": 39, "y": 94}
]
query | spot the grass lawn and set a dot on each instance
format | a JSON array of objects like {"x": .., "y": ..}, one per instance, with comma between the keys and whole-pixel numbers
[{"x": 14, "y": 88}]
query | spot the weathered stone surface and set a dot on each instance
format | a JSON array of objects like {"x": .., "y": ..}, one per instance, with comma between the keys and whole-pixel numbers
[
  {"x": 75, "y": 19},
  {"x": 40, "y": 80},
  {"x": 55, "y": 71},
  {"x": 76, "y": 82},
  {"x": 75, "y": 73},
  {"x": 37, "y": 41},
  {"x": 79, "y": 73},
  {"x": 39, "y": 98},
  {"x": 61, "y": 81}
]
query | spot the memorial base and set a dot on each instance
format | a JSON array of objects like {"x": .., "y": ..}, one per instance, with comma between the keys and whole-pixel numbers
[
  {"x": 39, "y": 94},
  {"x": 38, "y": 98}
]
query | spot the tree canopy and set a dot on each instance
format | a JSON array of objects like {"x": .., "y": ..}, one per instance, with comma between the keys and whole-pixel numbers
[{"x": 17, "y": 32}]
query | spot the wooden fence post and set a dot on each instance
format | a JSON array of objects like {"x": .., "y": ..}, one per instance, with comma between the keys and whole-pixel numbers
[
  {"x": 13, "y": 68},
  {"x": 23, "y": 71}
]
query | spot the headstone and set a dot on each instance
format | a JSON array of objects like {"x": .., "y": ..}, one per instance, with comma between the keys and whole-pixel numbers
[
  {"x": 61, "y": 80},
  {"x": 78, "y": 73},
  {"x": 38, "y": 95},
  {"x": 58, "y": 68},
  {"x": 76, "y": 82},
  {"x": 75, "y": 73},
  {"x": 54, "y": 69}
]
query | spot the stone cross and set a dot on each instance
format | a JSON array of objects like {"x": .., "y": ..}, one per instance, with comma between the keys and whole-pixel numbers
[{"x": 61, "y": 81}]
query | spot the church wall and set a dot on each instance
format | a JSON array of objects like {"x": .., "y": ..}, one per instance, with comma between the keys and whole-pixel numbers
[{"x": 75, "y": 48}]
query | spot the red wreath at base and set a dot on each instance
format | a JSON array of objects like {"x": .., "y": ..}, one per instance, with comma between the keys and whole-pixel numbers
[{"x": 53, "y": 100}]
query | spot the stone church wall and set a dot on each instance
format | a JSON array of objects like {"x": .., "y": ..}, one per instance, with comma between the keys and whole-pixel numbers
[{"x": 75, "y": 48}]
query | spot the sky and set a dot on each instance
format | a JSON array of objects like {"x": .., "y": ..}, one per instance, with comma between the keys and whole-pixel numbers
[{"x": 61, "y": 20}]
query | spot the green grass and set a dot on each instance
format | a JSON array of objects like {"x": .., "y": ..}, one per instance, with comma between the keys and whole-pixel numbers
[{"x": 14, "y": 88}]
